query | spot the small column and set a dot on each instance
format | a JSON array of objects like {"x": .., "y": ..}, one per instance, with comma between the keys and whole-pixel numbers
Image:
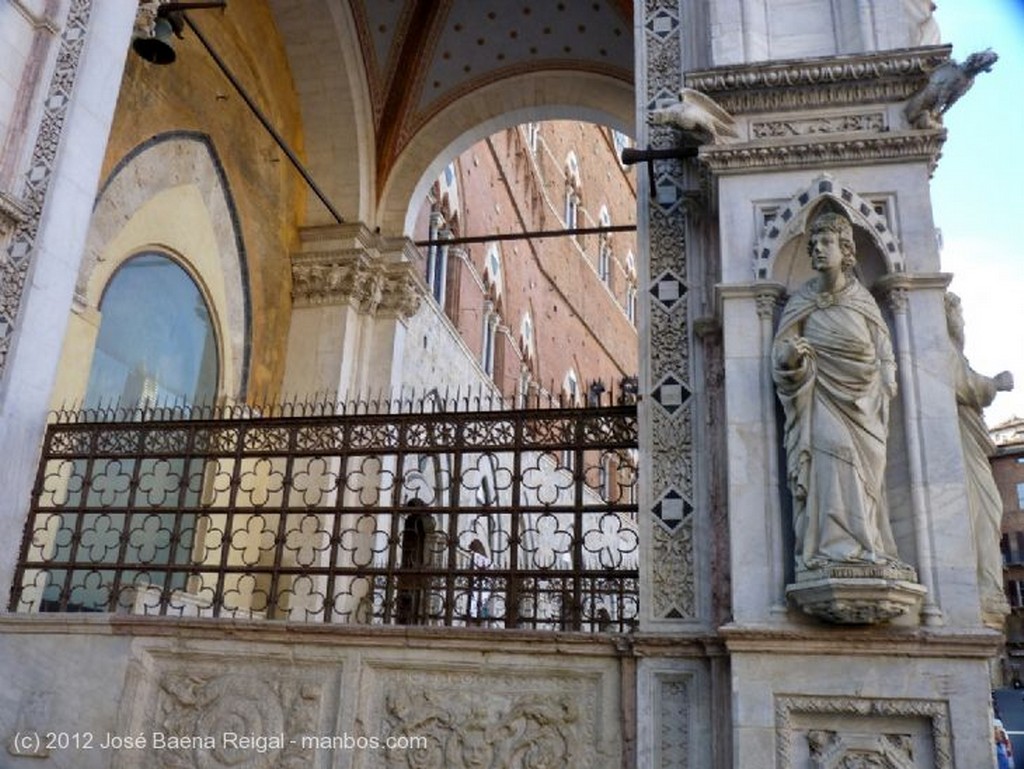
[
  {"x": 897, "y": 287},
  {"x": 756, "y": 525},
  {"x": 767, "y": 299}
]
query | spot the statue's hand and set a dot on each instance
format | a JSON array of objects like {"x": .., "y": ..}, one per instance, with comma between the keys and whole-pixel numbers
[
  {"x": 796, "y": 350},
  {"x": 1004, "y": 381}
]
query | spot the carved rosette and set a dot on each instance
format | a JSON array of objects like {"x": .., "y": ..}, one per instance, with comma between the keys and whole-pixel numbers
[
  {"x": 15, "y": 263},
  {"x": 479, "y": 720}
]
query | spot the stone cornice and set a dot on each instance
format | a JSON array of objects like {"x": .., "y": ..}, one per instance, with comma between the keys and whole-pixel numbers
[
  {"x": 890, "y": 76},
  {"x": 971, "y": 643},
  {"x": 825, "y": 150},
  {"x": 350, "y": 265},
  {"x": 922, "y": 281}
]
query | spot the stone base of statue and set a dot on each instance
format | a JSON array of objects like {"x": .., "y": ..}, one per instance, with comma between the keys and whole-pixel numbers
[{"x": 857, "y": 594}]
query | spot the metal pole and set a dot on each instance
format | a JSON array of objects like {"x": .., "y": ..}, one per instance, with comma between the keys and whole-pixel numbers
[{"x": 265, "y": 122}]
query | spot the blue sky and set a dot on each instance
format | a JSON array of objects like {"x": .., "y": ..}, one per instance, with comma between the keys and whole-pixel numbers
[{"x": 978, "y": 191}]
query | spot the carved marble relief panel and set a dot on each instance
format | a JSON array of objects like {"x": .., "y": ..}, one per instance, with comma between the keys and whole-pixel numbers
[
  {"x": 672, "y": 579},
  {"x": 473, "y": 718},
  {"x": 853, "y": 732},
  {"x": 212, "y": 711}
]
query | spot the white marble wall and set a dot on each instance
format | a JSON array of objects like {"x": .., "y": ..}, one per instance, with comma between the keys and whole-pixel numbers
[
  {"x": 527, "y": 700},
  {"x": 70, "y": 186}
]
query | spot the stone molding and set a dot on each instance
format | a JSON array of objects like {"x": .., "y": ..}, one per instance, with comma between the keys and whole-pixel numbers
[
  {"x": 865, "y": 641},
  {"x": 934, "y": 712},
  {"x": 890, "y": 76},
  {"x": 349, "y": 265},
  {"x": 12, "y": 212},
  {"x": 825, "y": 150}
]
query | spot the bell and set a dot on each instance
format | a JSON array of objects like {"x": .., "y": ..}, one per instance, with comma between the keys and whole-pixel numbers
[{"x": 157, "y": 49}]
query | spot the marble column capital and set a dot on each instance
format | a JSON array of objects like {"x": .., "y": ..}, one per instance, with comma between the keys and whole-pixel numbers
[{"x": 350, "y": 264}]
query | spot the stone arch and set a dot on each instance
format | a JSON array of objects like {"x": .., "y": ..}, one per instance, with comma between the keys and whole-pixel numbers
[
  {"x": 778, "y": 236},
  {"x": 171, "y": 194},
  {"x": 337, "y": 118},
  {"x": 536, "y": 96}
]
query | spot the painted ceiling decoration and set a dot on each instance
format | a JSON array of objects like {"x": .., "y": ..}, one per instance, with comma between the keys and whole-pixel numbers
[{"x": 423, "y": 55}]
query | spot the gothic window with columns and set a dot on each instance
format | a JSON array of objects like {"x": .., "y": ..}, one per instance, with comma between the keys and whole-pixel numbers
[
  {"x": 443, "y": 225},
  {"x": 573, "y": 193},
  {"x": 491, "y": 312},
  {"x": 604, "y": 248},
  {"x": 631, "y": 291}
]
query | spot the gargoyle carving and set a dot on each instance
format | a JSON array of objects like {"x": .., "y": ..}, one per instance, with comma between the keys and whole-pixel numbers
[
  {"x": 698, "y": 117},
  {"x": 946, "y": 84}
]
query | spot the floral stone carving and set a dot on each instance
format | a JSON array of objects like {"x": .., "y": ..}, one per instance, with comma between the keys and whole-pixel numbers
[{"x": 471, "y": 721}]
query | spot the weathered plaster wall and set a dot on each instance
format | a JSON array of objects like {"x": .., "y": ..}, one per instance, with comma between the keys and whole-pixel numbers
[{"x": 193, "y": 95}]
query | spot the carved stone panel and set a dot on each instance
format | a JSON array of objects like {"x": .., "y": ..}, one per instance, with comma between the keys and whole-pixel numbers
[
  {"x": 209, "y": 711},
  {"x": 862, "y": 733},
  {"x": 484, "y": 718}
]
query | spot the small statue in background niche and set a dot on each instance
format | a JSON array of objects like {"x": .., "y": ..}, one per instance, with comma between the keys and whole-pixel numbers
[
  {"x": 835, "y": 373},
  {"x": 946, "y": 84},
  {"x": 973, "y": 393}
]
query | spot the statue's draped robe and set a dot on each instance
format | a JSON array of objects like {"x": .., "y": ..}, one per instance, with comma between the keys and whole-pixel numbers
[
  {"x": 836, "y": 405},
  {"x": 973, "y": 393}
]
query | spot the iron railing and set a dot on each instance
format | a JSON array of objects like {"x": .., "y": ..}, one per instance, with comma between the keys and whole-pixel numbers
[{"x": 505, "y": 518}]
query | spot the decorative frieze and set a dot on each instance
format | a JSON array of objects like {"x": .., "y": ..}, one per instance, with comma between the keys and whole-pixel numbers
[
  {"x": 887, "y": 77},
  {"x": 852, "y": 123},
  {"x": 825, "y": 150},
  {"x": 213, "y": 711}
]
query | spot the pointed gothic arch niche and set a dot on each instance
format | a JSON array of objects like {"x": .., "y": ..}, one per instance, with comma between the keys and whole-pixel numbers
[
  {"x": 167, "y": 195},
  {"x": 781, "y": 253}
]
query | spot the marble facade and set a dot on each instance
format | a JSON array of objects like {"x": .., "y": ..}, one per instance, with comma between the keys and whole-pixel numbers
[{"x": 725, "y": 670}]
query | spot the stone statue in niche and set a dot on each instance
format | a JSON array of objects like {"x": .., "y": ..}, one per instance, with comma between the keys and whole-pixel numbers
[
  {"x": 835, "y": 374},
  {"x": 973, "y": 393}
]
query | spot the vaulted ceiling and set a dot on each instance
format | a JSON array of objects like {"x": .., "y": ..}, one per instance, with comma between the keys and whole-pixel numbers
[
  {"x": 422, "y": 55},
  {"x": 429, "y": 71}
]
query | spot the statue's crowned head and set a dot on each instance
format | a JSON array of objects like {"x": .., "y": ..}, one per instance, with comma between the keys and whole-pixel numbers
[{"x": 837, "y": 223}]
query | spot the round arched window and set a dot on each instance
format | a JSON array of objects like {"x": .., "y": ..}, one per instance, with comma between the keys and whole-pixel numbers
[{"x": 156, "y": 344}]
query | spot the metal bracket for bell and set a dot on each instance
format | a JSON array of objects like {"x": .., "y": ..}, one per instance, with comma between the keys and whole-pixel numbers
[
  {"x": 157, "y": 48},
  {"x": 154, "y": 43}
]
